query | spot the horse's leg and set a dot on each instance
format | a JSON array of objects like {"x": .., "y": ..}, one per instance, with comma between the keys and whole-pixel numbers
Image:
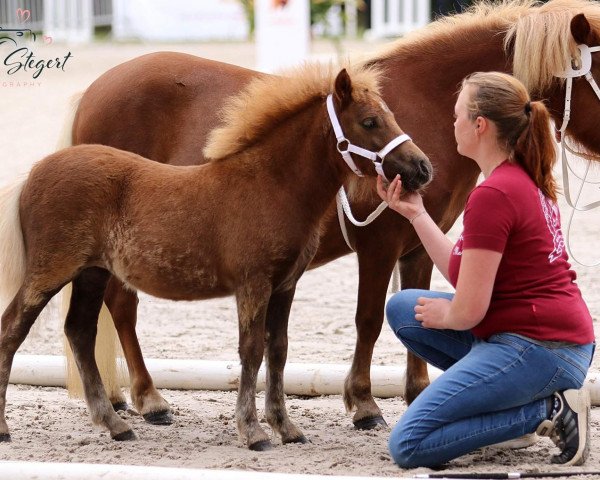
[
  {"x": 122, "y": 304},
  {"x": 415, "y": 272},
  {"x": 252, "y": 301},
  {"x": 375, "y": 270},
  {"x": 80, "y": 328},
  {"x": 278, "y": 313},
  {"x": 16, "y": 323}
]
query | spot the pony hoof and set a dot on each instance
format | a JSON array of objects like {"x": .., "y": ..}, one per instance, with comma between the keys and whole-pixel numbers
[
  {"x": 120, "y": 406},
  {"x": 124, "y": 436},
  {"x": 261, "y": 446},
  {"x": 5, "y": 437},
  {"x": 163, "y": 417},
  {"x": 300, "y": 439},
  {"x": 369, "y": 423}
]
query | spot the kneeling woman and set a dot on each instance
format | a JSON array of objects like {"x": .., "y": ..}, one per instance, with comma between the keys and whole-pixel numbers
[{"x": 516, "y": 339}]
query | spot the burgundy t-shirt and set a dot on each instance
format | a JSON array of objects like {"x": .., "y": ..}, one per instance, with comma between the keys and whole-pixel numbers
[{"x": 534, "y": 292}]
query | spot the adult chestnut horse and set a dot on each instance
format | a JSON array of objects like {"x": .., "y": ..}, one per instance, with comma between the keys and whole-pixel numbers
[
  {"x": 252, "y": 218},
  {"x": 163, "y": 105}
]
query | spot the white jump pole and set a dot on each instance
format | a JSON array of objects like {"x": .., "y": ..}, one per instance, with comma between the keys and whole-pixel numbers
[
  {"x": 78, "y": 471},
  {"x": 300, "y": 378}
]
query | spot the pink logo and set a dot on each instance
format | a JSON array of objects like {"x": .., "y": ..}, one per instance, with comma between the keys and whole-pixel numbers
[{"x": 23, "y": 15}]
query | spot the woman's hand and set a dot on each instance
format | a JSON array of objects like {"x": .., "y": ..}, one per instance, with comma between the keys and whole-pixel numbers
[
  {"x": 431, "y": 312},
  {"x": 408, "y": 206}
]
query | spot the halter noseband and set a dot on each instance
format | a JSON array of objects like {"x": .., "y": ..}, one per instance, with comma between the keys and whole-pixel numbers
[{"x": 350, "y": 148}]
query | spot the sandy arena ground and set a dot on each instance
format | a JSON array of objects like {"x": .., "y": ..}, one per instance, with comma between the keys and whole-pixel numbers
[{"x": 46, "y": 425}]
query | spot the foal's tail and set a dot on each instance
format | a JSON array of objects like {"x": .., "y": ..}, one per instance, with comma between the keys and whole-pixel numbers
[{"x": 12, "y": 246}]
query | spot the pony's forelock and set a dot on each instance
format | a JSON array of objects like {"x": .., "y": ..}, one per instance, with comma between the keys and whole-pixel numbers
[{"x": 268, "y": 100}]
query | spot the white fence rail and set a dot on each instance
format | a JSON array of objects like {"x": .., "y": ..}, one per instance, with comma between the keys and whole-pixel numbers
[
  {"x": 63, "y": 20},
  {"x": 392, "y": 18}
]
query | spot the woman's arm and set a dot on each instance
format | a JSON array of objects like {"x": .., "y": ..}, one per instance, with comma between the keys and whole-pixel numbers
[
  {"x": 478, "y": 268},
  {"x": 437, "y": 245}
]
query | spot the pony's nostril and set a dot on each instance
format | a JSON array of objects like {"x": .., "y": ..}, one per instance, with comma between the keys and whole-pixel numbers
[{"x": 424, "y": 168}]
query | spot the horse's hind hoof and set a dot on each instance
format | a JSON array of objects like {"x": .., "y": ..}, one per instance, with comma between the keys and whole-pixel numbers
[
  {"x": 369, "y": 423},
  {"x": 164, "y": 417},
  {"x": 261, "y": 446},
  {"x": 124, "y": 436},
  {"x": 300, "y": 439},
  {"x": 120, "y": 406},
  {"x": 5, "y": 437}
]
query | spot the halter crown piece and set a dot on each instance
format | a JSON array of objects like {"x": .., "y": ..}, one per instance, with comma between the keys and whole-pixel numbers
[{"x": 373, "y": 156}]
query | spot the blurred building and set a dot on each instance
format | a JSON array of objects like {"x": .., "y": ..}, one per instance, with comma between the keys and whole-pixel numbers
[{"x": 209, "y": 20}]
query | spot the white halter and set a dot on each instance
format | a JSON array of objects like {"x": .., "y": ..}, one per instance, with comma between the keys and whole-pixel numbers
[
  {"x": 343, "y": 206},
  {"x": 373, "y": 156},
  {"x": 584, "y": 70}
]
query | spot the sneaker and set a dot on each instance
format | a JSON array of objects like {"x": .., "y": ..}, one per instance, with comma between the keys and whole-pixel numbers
[{"x": 569, "y": 427}]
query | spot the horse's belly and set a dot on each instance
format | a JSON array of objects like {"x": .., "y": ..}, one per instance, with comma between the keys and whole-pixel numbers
[{"x": 166, "y": 279}]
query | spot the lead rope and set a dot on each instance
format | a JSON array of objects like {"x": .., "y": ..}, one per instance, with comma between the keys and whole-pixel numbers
[
  {"x": 343, "y": 207},
  {"x": 569, "y": 74}
]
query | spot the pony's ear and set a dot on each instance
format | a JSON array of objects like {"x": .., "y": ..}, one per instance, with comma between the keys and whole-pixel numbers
[
  {"x": 343, "y": 88},
  {"x": 580, "y": 29}
]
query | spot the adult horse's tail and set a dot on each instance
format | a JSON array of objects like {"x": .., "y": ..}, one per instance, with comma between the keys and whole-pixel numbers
[
  {"x": 12, "y": 246},
  {"x": 106, "y": 338}
]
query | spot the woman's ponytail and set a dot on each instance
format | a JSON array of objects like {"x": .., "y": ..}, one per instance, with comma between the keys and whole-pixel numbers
[{"x": 535, "y": 150}]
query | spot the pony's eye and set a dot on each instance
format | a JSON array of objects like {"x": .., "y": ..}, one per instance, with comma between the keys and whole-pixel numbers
[{"x": 369, "y": 123}]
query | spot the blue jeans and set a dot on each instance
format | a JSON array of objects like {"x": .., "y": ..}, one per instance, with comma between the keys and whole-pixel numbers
[{"x": 491, "y": 390}]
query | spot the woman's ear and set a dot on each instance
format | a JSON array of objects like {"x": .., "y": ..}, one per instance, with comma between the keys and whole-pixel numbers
[{"x": 481, "y": 124}]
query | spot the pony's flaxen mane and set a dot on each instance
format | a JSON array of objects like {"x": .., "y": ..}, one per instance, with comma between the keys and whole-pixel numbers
[
  {"x": 536, "y": 34},
  {"x": 485, "y": 15},
  {"x": 543, "y": 44},
  {"x": 268, "y": 100}
]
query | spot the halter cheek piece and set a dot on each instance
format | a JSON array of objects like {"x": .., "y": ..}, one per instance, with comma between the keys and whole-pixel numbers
[{"x": 346, "y": 148}]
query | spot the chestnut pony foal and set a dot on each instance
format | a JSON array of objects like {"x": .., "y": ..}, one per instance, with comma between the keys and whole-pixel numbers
[{"x": 245, "y": 224}]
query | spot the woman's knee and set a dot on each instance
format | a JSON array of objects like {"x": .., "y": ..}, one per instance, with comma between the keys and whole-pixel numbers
[
  {"x": 401, "y": 450},
  {"x": 400, "y": 309}
]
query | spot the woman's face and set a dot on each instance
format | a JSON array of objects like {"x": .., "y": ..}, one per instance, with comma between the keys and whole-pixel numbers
[{"x": 465, "y": 129}]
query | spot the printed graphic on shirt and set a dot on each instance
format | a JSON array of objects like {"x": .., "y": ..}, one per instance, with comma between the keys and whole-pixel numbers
[
  {"x": 551, "y": 213},
  {"x": 458, "y": 246}
]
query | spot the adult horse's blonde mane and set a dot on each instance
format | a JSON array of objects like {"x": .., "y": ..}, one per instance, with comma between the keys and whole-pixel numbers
[
  {"x": 537, "y": 35},
  {"x": 268, "y": 100}
]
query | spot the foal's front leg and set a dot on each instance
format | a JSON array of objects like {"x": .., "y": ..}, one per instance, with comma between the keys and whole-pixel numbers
[
  {"x": 252, "y": 303},
  {"x": 278, "y": 314}
]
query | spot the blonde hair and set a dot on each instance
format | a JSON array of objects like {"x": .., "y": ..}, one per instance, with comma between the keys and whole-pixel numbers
[{"x": 523, "y": 126}]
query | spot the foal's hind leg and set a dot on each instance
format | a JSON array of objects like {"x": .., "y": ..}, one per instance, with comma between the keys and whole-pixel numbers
[
  {"x": 415, "y": 272},
  {"x": 16, "y": 323},
  {"x": 278, "y": 313},
  {"x": 122, "y": 304},
  {"x": 80, "y": 328},
  {"x": 252, "y": 303}
]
